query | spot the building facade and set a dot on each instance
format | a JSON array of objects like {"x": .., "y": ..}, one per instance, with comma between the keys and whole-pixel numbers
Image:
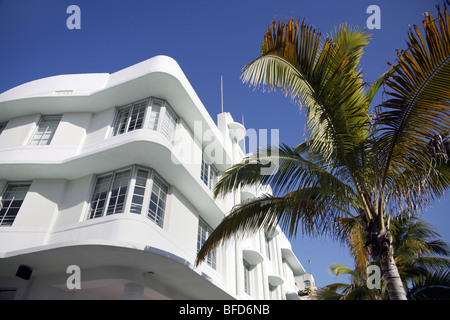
[{"x": 106, "y": 193}]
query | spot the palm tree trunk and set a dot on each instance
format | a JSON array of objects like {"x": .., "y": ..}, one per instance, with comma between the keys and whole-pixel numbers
[
  {"x": 392, "y": 278},
  {"x": 383, "y": 251}
]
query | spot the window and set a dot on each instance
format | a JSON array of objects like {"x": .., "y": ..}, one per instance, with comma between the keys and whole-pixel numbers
[
  {"x": 157, "y": 205},
  {"x": 109, "y": 194},
  {"x": 267, "y": 244},
  {"x": 118, "y": 192},
  {"x": 46, "y": 130},
  {"x": 247, "y": 279},
  {"x": 204, "y": 230},
  {"x": 137, "y": 201},
  {"x": 129, "y": 118},
  {"x": 11, "y": 201},
  {"x": 99, "y": 196},
  {"x": 208, "y": 173},
  {"x": 147, "y": 194},
  {"x": 168, "y": 124},
  {"x": 155, "y": 111},
  {"x": 2, "y": 126},
  {"x": 154, "y": 114}
]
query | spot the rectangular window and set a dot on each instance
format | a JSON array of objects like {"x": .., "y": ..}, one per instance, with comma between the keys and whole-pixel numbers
[
  {"x": 11, "y": 201},
  {"x": 137, "y": 202},
  {"x": 46, "y": 130},
  {"x": 157, "y": 205},
  {"x": 155, "y": 111},
  {"x": 99, "y": 197},
  {"x": 209, "y": 173},
  {"x": 129, "y": 118},
  {"x": 169, "y": 123},
  {"x": 204, "y": 230},
  {"x": 247, "y": 279},
  {"x": 118, "y": 192},
  {"x": 267, "y": 244},
  {"x": 110, "y": 192},
  {"x": 2, "y": 126}
]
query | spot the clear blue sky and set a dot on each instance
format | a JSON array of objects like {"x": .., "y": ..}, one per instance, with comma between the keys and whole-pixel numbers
[{"x": 208, "y": 39}]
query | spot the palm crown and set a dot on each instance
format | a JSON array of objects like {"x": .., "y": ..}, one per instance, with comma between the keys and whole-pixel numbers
[{"x": 353, "y": 163}]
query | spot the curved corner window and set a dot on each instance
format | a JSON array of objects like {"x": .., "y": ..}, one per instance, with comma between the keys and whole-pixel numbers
[
  {"x": 135, "y": 190},
  {"x": 129, "y": 118},
  {"x": 154, "y": 114}
]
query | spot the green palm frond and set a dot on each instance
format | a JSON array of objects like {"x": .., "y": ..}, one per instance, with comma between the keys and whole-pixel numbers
[
  {"x": 418, "y": 108},
  {"x": 307, "y": 208},
  {"x": 293, "y": 168},
  {"x": 332, "y": 291},
  {"x": 356, "y": 289},
  {"x": 294, "y": 59},
  {"x": 433, "y": 286},
  {"x": 416, "y": 238}
]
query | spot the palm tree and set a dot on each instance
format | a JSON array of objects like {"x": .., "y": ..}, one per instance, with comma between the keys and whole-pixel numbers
[
  {"x": 355, "y": 290},
  {"x": 419, "y": 254},
  {"x": 353, "y": 164}
]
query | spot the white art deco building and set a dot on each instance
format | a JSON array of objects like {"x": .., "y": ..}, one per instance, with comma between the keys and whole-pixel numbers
[{"x": 106, "y": 193}]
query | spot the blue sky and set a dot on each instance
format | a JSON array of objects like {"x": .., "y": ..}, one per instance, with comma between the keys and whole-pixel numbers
[{"x": 208, "y": 39}]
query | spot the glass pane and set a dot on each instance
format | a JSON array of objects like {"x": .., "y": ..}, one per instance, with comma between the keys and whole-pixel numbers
[
  {"x": 204, "y": 230},
  {"x": 137, "y": 116},
  {"x": 103, "y": 184},
  {"x": 168, "y": 125},
  {"x": 154, "y": 115},
  {"x": 121, "y": 121},
  {"x": 11, "y": 202},
  {"x": 118, "y": 192},
  {"x": 99, "y": 196},
  {"x": 141, "y": 177},
  {"x": 45, "y": 131}
]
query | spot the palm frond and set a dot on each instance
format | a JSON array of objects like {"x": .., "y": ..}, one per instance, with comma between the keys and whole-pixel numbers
[
  {"x": 307, "y": 208},
  {"x": 418, "y": 107},
  {"x": 334, "y": 291},
  {"x": 433, "y": 286},
  {"x": 294, "y": 59},
  {"x": 293, "y": 168},
  {"x": 353, "y": 235}
]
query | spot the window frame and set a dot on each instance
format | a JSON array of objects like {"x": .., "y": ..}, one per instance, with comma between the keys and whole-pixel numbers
[
  {"x": 165, "y": 121},
  {"x": 248, "y": 268},
  {"x": 130, "y": 111},
  {"x": 130, "y": 204},
  {"x": 52, "y": 134},
  {"x": 2, "y": 198},
  {"x": 267, "y": 241},
  {"x": 211, "y": 257},
  {"x": 106, "y": 205},
  {"x": 210, "y": 168}
]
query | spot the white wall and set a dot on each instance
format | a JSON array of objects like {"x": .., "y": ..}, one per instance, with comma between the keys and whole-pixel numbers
[
  {"x": 71, "y": 130},
  {"x": 100, "y": 126},
  {"x": 18, "y": 131},
  {"x": 74, "y": 205},
  {"x": 40, "y": 204}
]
